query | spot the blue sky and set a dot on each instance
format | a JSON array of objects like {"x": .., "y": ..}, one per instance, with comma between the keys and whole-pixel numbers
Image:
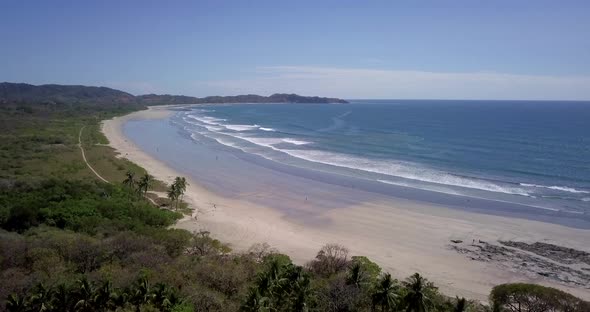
[{"x": 350, "y": 49}]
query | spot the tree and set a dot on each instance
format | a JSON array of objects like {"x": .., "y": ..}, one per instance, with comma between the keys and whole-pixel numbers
[
  {"x": 84, "y": 295},
  {"x": 331, "y": 259},
  {"x": 173, "y": 195},
  {"x": 282, "y": 286},
  {"x": 298, "y": 288},
  {"x": 385, "y": 294},
  {"x": 144, "y": 184},
  {"x": 40, "y": 299},
  {"x": 417, "y": 297},
  {"x": 255, "y": 302},
  {"x": 204, "y": 245},
  {"x": 362, "y": 271},
  {"x": 355, "y": 276},
  {"x": 461, "y": 305},
  {"x": 130, "y": 181},
  {"x": 105, "y": 296},
  {"x": 177, "y": 189},
  {"x": 181, "y": 185},
  {"x": 61, "y": 298},
  {"x": 521, "y": 297},
  {"x": 16, "y": 303},
  {"x": 164, "y": 298},
  {"x": 141, "y": 292}
]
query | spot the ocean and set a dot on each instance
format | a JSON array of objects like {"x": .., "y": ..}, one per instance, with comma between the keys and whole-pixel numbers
[{"x": 529, "y": 154}]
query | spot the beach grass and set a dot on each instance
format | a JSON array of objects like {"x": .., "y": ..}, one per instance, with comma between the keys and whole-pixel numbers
[{"x": 105, "y": 160}]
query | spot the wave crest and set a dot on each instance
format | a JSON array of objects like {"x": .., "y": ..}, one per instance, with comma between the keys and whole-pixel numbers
[{"x": 557, "y": 188}]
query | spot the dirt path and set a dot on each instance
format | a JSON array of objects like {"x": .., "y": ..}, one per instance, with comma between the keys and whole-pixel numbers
[
  {"x": 84, "y": 156},
  {"x": 94, "y": 171}
]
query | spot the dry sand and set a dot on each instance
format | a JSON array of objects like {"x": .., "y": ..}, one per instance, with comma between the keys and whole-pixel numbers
[{"x": 402, "y": 236}]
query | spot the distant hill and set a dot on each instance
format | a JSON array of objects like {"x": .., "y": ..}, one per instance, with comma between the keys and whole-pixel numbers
[
  {"x": 154, "y": 99},
  {"x": 73, "y": 95},
  {"x": 22, "y": 92},
  {"x": 66, "y": 99}
]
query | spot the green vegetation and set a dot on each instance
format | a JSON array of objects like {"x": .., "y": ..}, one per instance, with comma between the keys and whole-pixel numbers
[
  {"x": 522, "y": 297},
  {"x": 84, "y": 98},
  {"x": 70, "y": 242},
  {"x": 89, "y": 207},
  {"x": 176, "y": 190}
]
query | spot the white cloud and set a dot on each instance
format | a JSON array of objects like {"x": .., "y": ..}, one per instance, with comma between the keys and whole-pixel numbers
[{"x": 401, "y": 84}]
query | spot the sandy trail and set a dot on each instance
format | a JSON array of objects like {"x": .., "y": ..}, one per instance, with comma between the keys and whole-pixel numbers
[
  {"x": 84, "y": 157},
  {"x": 402, "y": 236}
]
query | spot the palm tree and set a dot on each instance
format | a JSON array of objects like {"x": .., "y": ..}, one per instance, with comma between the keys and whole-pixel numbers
[
  {"x": 61, "y": 298},
  {"x": 356, "y": 276},
  {"x": 279, "y": 287},
  {"x": 121, "y": 297},
  {"x": 84, "y": 295},
  {"x": 173, "y": 194},
  {"x": 141, "y": 294},
  {"x": 180, "y": 185},
  {"x": 461, "y": 305},
  {"x": 416, "y": 298},
  {"x": 144, "y": 184},
  {"x": 385, "y": 294},
  {"x": 16, "y": 303},
  {"x": 41, "y": 298},
  {"x": 105, "y": 296},
  {"x": 130, "y": 180},
  {"x": 256, "y": 302},
  {"x": 164, "y": 297},
  {"x": 300, "y": 289}
]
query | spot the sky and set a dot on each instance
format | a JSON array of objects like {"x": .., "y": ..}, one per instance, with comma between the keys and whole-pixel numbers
[{"x": 536, "y": 50}]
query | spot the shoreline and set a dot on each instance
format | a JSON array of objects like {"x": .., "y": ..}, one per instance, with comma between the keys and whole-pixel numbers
[{"x": 402, "y": 236}]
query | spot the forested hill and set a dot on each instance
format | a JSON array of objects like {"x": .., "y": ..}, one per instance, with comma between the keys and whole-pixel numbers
[
  {"x": 68, "y": 95},
  {"x": 22, "y": 92},
  {"x": 154, "y": 99}
]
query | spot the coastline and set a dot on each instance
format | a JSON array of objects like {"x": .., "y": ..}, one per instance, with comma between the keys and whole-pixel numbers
[{"x": 402, "y": 236}]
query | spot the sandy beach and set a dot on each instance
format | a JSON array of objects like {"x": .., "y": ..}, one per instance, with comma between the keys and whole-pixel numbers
[{"x": 402, "y": 236}]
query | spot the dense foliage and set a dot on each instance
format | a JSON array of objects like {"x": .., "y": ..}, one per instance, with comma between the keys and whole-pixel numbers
[
  {"x": 89, "y": 207},
  {"x": 522, "y": 297}
]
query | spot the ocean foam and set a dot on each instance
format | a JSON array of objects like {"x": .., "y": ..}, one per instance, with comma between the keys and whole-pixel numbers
[
  {"x": 267, "y": 129},
  {"x": 296, "y": 142},
  {"x": 220, "y": 140},
  {"x": 266, "y": 142},
  {"x": 557, "y": 188},
  {"x": 208, "y": 120},
  {"x": 241, "y": 127},
  {"x": 213, "y": 128},
  {"x": 401, "y": 170},
  {"x": 432, "y": 189}
]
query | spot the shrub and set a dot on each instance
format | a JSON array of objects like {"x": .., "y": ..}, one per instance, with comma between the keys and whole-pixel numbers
[
  {"x": 521, "y": 297},
  {"x": 331, "y": 259}
]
